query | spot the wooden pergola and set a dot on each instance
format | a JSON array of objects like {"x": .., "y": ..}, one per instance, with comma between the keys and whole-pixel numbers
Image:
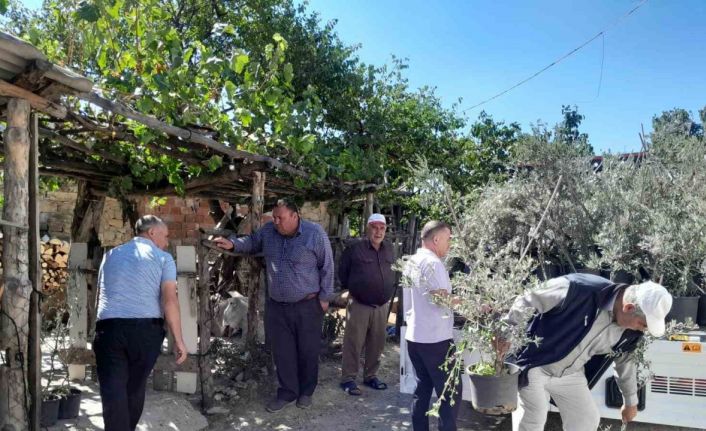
[{"x": 47, "y": 124}]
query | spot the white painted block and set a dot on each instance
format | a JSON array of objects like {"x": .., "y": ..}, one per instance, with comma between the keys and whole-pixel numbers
[
  {"x": 186, "y": 382},
  {"x": 189, "y": 327},
  {"x": 77, "y": 372},
  {"x": 186, "y": 258},
  {"x": 188, "y": 307}
]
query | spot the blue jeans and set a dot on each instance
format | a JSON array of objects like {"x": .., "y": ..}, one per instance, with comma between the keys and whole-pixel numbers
[
  {"x": 426, "y": 359},
  {"x": 126, "y": 351}
]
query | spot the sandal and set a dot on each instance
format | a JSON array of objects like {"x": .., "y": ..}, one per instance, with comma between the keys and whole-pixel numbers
[
  {"x": 351, "y": 389},
  {"x": 375, "y": 383}
]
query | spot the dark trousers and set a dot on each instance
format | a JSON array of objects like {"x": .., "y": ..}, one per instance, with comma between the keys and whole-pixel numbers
[
  {"x": 295, "y": 336},
  {"x": 126, "y": 351},
  {"x": 427, "y": 359}
]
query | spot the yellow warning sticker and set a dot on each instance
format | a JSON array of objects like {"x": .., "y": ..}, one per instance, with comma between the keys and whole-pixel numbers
[{"x": 691, "y": 347}]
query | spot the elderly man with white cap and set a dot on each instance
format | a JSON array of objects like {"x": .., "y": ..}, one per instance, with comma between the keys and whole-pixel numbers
[
  {"x": 365, "y": 269},
  {"x": 585, "y": 323}
]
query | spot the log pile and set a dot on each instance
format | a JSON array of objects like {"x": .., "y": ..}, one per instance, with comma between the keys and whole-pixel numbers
[{"x": 55, "y": 259}]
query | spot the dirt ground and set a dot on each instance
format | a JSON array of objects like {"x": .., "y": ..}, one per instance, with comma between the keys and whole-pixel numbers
[{"x": 374, "y": 410}]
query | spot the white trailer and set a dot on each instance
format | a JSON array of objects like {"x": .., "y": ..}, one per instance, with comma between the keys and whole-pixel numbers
[{"x": 676, "y": 396}]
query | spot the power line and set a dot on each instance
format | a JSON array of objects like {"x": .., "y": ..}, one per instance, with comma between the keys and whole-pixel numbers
[
  {"x": 600, "y": 76},
  {"x": 563, "y": 57}
]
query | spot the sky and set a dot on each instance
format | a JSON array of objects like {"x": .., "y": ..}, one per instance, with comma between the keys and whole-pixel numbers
[{"x": 653, "y": 60}]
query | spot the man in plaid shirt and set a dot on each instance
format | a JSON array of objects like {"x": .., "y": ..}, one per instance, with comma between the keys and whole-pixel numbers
[{"x": 299, "y": 266}]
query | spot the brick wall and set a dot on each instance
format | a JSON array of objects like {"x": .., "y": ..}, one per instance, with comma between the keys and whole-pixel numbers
[
  {"x": 183, "y": 217},
  {"x": 313, "y": 212}
]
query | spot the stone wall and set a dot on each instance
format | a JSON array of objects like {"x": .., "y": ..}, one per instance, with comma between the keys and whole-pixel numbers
[
  {"x": 316, "y": 212},
  {"x": 113, "y": 230},
  {"x": 57, "y": 212}
]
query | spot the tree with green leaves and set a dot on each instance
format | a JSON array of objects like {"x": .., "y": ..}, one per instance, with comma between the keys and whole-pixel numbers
[
  {"x": 259, "y": 75},
  {"x": 676, "y": 122}
]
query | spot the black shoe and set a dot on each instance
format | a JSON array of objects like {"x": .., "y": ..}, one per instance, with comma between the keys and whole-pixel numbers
[
  {"x": 304, "y": 402},
  {"x": 277, "y": 405}
]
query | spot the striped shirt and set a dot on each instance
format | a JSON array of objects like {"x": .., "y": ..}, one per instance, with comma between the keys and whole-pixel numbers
[
  {"x": 296, "y": 266},
  {"x": 130, "y": 279}
]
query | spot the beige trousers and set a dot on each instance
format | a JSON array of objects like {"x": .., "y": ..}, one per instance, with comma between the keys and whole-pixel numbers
[
  {"x": 365, "y": 329},
  {"x": 570, "y": 393}
]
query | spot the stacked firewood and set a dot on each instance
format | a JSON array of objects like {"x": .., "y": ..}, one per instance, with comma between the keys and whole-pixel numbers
[{"x": 55, "y": 259}]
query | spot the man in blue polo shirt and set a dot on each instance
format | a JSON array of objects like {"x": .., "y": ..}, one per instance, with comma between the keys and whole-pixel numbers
[
  {"x": 137, "y": 288},
  {"x": 300, "y": 279}
]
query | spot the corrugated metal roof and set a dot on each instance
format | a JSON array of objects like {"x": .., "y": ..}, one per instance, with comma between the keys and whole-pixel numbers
[{"x": 16, "y": 55}]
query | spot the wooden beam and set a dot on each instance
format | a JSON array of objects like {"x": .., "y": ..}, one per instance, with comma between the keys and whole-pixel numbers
[
  {"x": 13, "y": 224},
  {"x": 54, "y": 172},
  {"x": 55, "y": 90},
  {"x": 185, "y": 134},
  {"x": 209, "y": 182},
  {"x": 37, "y": 102},
  {"x": 80, "y": 147},
  {"x": 211, "y": 246},
  {"x": 32, "y": 75},
  {"x": 83, "y": 168}
]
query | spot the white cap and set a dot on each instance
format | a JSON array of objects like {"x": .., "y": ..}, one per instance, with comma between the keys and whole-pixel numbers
[
  {"x": 377, "y": 218},
  {"x": 655, "y": 302}
]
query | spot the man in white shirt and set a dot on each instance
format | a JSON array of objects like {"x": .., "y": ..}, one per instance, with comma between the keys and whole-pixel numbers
[{"x": 430, "y": 327}]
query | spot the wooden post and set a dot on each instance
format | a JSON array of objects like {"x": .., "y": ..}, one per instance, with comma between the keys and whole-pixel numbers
[
  {"x": 256, "y": 208},
  {"x": 367, "y": 211},
  {"x": 77, "y": 301},
  {"x": 345, "y": 229},
  {"x": 188, "y": 302},
  {"x": 205, "y": 318},
  {"x": 34, "y": 364},
  {"x": 410, "y": 247},
  {"x": 84, "y": 229},
  {"x": 34, "y": 360},
  {"x": 14, "y": 331}
]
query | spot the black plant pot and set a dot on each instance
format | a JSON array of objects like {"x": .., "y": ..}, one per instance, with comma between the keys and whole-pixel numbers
[
  {"x": 552, "y": 270},
  {"x": 494, "y": 395},
  {"x": 70, "y": 404},
  {"x": 683, "y": 308},
  {"x": 622, "y": 276},
  {"x": 50, "y": 411},
  {"x": 701, "y": 317},
  {"x": 593, "y": 271}
]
